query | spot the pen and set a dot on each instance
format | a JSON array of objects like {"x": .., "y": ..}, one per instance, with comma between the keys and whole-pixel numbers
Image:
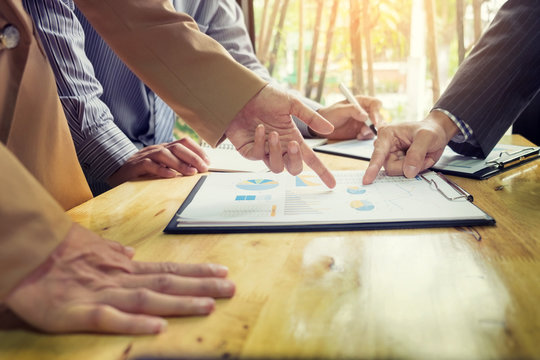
[{"x": 350, "y": 97}]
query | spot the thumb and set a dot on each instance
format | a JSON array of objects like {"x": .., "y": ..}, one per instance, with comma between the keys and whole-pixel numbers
[{"x": 311, "y": 118}]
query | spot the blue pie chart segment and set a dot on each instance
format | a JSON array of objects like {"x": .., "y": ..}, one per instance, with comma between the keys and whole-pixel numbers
[
  {"x": 356, "y": 190},
  {"x": 257, "y": 184}
]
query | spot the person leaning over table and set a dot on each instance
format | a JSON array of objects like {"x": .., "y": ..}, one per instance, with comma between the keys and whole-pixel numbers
[
  {"x": 493, "y": 86},
  {"x": 59, "y": 276},
  {"x": 117, "y": 121}
]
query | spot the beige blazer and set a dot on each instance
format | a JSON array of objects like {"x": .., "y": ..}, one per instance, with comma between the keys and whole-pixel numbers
[
  {"x": 190, "y": 71},
  {"x": 34, "y": 129},
  {"x": 196, "y": 77}
]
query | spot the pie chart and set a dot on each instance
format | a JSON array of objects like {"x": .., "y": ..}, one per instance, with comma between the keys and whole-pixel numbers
[
  {"x": 257, "y": 184},
  {"x": 362, "y": 205}
]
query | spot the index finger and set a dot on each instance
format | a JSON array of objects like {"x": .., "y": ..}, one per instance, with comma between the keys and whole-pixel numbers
[
  {"x": 383, "y": 144},
  {"x": 317, "y": 165},
  {"x": 196, "y": 148},
  {"x": 311, "y": 118}
]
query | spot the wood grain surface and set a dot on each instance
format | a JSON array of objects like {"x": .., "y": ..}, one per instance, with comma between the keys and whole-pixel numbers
[{"x": 445, "y": 293}]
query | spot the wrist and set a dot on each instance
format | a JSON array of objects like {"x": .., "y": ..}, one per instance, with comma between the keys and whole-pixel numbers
[{"x": 443, "y": 121}]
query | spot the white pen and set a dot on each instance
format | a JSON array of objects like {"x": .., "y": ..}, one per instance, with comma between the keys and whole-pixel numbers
[{"x": 350, "y": 97}]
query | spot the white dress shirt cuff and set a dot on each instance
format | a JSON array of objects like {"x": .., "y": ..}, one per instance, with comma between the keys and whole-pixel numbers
[{"x": 465, "y": 131}]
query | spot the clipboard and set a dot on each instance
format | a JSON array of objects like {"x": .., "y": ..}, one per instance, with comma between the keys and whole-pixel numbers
[
  {"x": 267, "y": 202},
  {"x": 501, "y": 158}
]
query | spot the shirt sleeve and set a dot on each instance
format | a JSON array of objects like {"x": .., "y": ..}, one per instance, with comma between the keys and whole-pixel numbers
[
  {"x": 101, "y": 146},
  {"x": 465, "y": 132}
]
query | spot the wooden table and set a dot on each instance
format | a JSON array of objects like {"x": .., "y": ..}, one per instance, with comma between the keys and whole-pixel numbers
[{"x": 415, "y": 294}]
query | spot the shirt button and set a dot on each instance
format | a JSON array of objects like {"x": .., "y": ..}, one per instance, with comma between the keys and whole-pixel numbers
[{"x": 9, "y": 37}]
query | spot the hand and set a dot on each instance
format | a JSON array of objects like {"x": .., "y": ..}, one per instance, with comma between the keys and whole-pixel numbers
[
  {"x": 91, "y": 284},
  {"x": 183, "y": 156},
  {"x": 349, "y": 121},
  {"x": 409, "y": 148},
  {"x": 269, "y": 112}
]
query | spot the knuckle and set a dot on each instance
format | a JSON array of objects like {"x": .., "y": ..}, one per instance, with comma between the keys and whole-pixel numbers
[
  {"x": 164, "y": 283},
  {"x": 383, "y": 131},
  {"x": 140, "y": 299},
  {"x": 169, "y": 267},
  {"x": 146, "y": 164}
]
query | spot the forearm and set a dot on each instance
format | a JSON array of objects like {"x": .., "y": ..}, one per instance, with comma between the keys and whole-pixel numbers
[{"x": 196, "y": 77}]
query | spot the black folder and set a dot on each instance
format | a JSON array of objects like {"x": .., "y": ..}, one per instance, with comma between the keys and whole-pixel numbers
[{"x": 251, "y": 203}]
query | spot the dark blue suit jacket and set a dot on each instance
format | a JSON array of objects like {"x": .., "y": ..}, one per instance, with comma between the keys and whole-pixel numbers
[{"x": 500, "y": 77}]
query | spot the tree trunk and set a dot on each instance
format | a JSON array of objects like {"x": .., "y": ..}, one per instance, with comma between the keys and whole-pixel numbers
[
  {"x": 277, "y": 38},
  {"x": 356, "y": 48},
  {"x": 369, "y": 51},
  {"x": 329, "y": 35},
  {"x": 300, "y": 55},
  {"x": 262, "y": 30},
  {"x": 460, "y": 11},
  {"x": 432, "y": 49},
  {"x": 265, "y": 46},
  {"x": 313, "y": 55}
]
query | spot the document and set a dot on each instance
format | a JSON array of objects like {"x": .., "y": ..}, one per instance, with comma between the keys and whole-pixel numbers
[
  {"x": 501, "y": 158},
  {"x": 266, "y": 202},
  {"x": 225, "y": 157}
]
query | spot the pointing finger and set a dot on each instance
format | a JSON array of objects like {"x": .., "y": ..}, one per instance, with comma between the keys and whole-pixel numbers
[
  {"x": 317, "y": 166},
  {"x": 381, "y": 151}
]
